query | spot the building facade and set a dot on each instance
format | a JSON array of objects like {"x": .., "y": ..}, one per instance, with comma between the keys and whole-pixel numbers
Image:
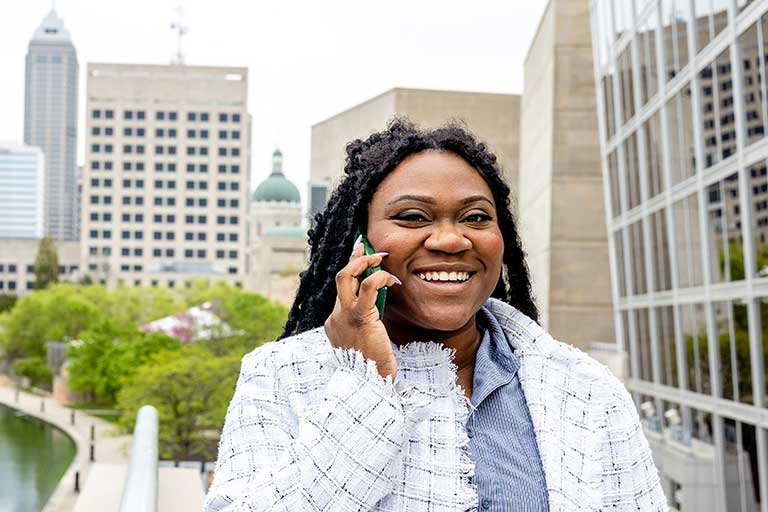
[
  {"x": 681, "y": 90},
  {"x": 493, "y": 118},
  {"x": 50, "y": 121},
  {"x": 560, "y": 199},
  {"x": 17, "y": 263},
  {"x": 277, "y": 242},
  {"x": 22, "y": 191},
  {"x": 165, "y": 189}
]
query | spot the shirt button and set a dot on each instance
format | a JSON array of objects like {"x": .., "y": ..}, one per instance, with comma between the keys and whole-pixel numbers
[{"x": 486, "y": 503}]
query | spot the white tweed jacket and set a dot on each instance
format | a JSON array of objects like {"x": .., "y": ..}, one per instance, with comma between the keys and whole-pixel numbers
[{"x": 315, "y": 428}]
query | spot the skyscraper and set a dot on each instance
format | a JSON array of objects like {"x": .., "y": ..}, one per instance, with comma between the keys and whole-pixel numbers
[
  {"x": 167, "y": 176},
  {"x": 683, "y": 114},
  {"x": 50, "y": 121},
  {"x": 22, "y": 188}
]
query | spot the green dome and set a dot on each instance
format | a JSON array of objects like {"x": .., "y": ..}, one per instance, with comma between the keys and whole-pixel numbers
[{"x": 277, "y": 188}]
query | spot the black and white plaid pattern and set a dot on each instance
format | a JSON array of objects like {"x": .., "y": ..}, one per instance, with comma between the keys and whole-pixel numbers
[{"x": 316, "y": 428}]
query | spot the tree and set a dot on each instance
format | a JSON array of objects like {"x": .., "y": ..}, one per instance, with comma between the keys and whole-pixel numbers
[
  {"x": 7, "y": 301},
  {"x": 108, "y": 355},
  {"x": 46, "y": 264},
  {"x": 36, "y": 370},
  {"x": 191, "y": 391},
  {"x": 54, "y": 314}
]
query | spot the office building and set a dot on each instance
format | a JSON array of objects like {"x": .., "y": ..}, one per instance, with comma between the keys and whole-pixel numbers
[
  {"x": 22, "y": 191},
  {"x": 166, "y": 181},
  {"x": 681, "y": 89},
  {"x": 50, "y": 121},
  {"x": 493, "y": 118},
  {"x": 17, "y": 263},
  {"x": 560, "y": 199}
]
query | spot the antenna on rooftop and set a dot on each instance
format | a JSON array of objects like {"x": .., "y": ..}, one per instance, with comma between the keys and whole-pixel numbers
[{"x": 181, "y": 31}]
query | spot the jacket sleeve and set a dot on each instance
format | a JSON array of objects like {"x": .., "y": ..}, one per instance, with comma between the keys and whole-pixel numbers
[
  {"x": 342, "y": 456},
  {"x": 630, "y": 481}
]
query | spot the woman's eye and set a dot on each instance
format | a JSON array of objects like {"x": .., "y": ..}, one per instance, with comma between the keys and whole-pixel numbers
[
  {"x": 411, "y": 217},
  {"x": 477, "y": 217}
]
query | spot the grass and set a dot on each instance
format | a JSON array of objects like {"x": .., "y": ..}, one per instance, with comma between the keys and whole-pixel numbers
[{"x": 97, "y": 410}]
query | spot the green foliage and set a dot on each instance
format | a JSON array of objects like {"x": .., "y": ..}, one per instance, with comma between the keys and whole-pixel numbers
[
  {"x": 36, "y": 370},
  {"x": 107, "y": 355},
  {"x": 54, "y": 314},
  {"x": 46, "y": 264},
  {"x": 191, "y": 390},
  {"x": 7, "y": 301}
]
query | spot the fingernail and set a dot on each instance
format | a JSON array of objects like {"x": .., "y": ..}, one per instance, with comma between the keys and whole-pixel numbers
[
  {"x": 357, "y": 241},
  {"x": 396, "y": 279},
  {"x": 382, "y": 254}
]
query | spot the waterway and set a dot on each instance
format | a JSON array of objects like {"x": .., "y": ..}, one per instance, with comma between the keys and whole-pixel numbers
[{"x": 33, "y": 458}]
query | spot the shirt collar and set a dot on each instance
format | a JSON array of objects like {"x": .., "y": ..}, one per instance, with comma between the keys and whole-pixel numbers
[{"x": 495, "y": 362}]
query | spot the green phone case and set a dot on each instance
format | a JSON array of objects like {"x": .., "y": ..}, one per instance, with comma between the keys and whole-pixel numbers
[{"x": 381, "y": 296}]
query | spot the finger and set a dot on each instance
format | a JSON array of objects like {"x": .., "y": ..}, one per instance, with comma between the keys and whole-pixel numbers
[
  {"x": 370, "y": 286},
  {"x": 358, "y": 249},
  {"x": 347, "y": 283}
]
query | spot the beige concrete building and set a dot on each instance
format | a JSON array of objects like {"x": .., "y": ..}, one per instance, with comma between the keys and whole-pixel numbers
[
  {"x": 561, "y": 210},
  {"x": 491, "y": 117},
  {"x": 167, "y": 172},
  {"x": 17, "y": 263}
]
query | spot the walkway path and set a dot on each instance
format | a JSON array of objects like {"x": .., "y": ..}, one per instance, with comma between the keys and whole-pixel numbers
[{"x": 109, "y": 446}]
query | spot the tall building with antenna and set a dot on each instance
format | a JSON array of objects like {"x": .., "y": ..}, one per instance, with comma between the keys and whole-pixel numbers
[{"x": 50, "y": 121}]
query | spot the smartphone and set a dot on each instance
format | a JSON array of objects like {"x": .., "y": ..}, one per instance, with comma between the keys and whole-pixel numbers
[{"x": 381, "y": 296}]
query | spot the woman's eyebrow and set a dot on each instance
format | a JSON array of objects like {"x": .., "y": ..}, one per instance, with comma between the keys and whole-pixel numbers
[{"x": 429, "y": 200}]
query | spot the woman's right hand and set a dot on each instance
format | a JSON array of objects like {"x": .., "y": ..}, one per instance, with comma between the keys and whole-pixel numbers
[{"x": 354, "y": 322}]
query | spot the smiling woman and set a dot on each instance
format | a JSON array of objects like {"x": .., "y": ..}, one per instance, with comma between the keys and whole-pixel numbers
[{"x": 456, "y": 398}]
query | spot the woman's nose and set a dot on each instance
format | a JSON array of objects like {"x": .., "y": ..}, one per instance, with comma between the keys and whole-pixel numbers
[{"x": 447, "y": 237}]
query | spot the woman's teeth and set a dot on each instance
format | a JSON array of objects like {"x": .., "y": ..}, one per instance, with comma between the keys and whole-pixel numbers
[{"x": 444, "y": 276}]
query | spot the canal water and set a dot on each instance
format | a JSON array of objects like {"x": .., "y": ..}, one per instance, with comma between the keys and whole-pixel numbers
[{"x": 33, "y": 458}]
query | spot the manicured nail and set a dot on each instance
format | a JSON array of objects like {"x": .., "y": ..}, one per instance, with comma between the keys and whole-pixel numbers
[
  {"x": 357, "y": 241},
  {"x": 382, "y": 254},
  {"x": 396, "y": 279}
]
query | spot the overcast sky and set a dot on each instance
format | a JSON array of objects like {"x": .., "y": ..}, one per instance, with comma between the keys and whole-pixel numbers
[{"x": 307, "y": 60}]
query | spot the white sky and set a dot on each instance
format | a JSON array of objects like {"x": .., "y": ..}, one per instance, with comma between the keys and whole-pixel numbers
[{"x": 307, "y": 60}]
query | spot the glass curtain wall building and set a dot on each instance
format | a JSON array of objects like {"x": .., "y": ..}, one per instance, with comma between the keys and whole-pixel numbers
[{"x": 683, "y": 113}]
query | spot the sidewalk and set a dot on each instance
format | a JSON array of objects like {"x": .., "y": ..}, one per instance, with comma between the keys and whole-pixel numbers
[{"x": 110, "y": 446}]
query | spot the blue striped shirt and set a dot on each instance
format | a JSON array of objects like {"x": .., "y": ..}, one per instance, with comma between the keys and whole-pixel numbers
[{"x": 508, "y": 471}]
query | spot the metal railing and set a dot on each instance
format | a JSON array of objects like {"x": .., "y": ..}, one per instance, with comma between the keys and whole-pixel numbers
[{"x": 140, "y": 490}]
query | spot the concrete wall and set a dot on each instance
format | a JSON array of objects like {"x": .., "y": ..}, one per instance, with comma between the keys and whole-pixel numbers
[
  {"x": 493, "y": 118},
  {"x": 561, "y": 196}
]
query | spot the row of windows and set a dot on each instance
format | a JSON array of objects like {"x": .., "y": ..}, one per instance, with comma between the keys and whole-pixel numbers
[
  {"x": 139, "y": 149},
  {"x": 11, "y": 268},
  {"x": 159, "y": 184},
  {"x": 161, "y": 115},
  {"x": 107, "y": 165},
  {"x": 106, "y": 234}
]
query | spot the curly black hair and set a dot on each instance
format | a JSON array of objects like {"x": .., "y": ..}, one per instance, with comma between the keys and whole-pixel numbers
[{"x": 368, "y": 162}]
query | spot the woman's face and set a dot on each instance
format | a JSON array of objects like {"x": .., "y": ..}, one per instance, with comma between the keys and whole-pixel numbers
[{"x": 435, "y": 215}]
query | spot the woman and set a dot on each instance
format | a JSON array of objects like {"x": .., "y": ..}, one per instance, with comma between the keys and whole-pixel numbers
[{"x": 456, "y": 398}]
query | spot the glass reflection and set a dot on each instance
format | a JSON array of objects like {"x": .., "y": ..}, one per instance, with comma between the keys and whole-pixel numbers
[
  {"x": 613, "y": 173},
  {"x": 711, "y": 18},
  {"x": 752, "y": 46},
  {"x": 724, "y": 230},
  {"x": 621, "y": 278},
  {"x": 667, "y": 345},
  {"x": 651, "y": 133},
  {"x": 674, "y": 31},
  {"x": 696, "y": 356},
  {"x": 764, "y": 341},
  {"x": 688, "y": 253},
  {"x": 610, "y": 110},
  {"x": 717, "y": 116},
  {"x": 733, "y": 351},
  {"x": 646, "y": 45},
  {"x": 637, "y": 257},
  {"x": 626, "y": 83},
  {"x": 759, "y": 190},
  {"x": 643, "y": 327},
  {"x": 632, "y": 172},
  {"x": 681, "y": 136},
  {"x": 742, "y": 474},
  {"x": 660, "y": 251}
]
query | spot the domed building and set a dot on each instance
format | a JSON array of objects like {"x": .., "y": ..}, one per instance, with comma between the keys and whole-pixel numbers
[{"x": 277, "y": 242}]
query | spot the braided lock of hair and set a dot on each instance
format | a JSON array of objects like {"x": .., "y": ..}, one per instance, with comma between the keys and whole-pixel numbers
[{"x": 368, "y": 162}]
